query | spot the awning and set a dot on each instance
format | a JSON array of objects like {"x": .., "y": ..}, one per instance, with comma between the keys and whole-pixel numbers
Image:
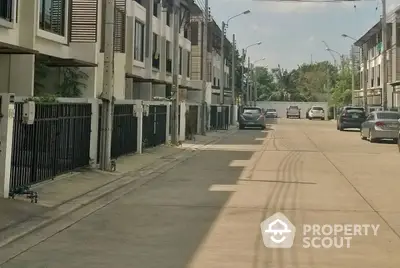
[
  {"x": 63, "y": 62},
  {"x": 12, "y": 49},
  {"x": 140, "y": 79},
  {"x": 395, "y": 84}
]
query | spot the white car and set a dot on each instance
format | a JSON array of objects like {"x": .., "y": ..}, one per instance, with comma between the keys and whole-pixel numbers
[{"x": 316, "y": 112}]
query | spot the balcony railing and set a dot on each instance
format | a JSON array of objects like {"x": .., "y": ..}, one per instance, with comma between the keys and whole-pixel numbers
[
  {"x": 156, "y": 60},
  {"x": 168, "y": 68},
  {"x": 83, "y": 21}
]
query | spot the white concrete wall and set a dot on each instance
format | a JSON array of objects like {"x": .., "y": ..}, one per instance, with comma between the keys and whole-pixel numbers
[{"x": 281, "y": 106}]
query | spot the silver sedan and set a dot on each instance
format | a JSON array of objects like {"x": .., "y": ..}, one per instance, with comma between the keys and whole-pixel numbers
[{"x": 381, "y": 125}]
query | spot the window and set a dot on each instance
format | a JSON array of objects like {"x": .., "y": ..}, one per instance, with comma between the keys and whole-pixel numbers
[
  {"x": 194, "y": 38},
  {"x": 180, "y": 60},
  {"x": 168, "y": 67},
  {"x": 252, "y": 111},
  {"x": 168, "y": 18},
  {"x": 188, "y": 65},
  {"x": 139, "y": 41},
  {"x": 155, "y": 10},
  {"x": 52, "y": 16},
  {"x": 156, "y": 56},
  {"x": 6, "y": 8},
  {"x": 383, "y": 115}
]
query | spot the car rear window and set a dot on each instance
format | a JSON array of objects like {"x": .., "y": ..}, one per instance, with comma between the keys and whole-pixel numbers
[
  {"x": 294, "y": 107},
  {"x": 271, "y": 110},
  {"x": 394, "y": 116},
  {"x": 317, "y": 108},
  {"x": 355, "y": 111},
  {"x": 251, "y": 111},
  {"x": 354, "y": 108}
]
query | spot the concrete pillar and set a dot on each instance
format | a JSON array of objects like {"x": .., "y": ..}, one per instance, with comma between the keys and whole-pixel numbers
[
  {"x": 12, "y": 67},
  {"x": 182, "y": 121},
  {"x": 94, "y": 134},
  {"x": 139, "y": 114},
  {"x": 167, "y": 134},
  {"x": 235, "y": 115},
  {"x": 6, "y": 142}
]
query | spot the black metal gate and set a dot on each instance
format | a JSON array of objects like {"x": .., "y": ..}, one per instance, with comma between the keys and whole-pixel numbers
[
  {"x": 219, "y": 120},
  {"x": 124, "y": 132},
  {"x": 155, "y": 126},
  {"x": 192, "y": 120},
  {"x": 57, "y": 142}
]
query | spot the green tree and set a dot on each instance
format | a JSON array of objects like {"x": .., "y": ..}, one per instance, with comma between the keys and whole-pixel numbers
[{"x": 341, "y": 92}]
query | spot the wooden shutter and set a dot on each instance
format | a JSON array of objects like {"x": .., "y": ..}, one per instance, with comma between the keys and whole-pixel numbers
[{"x": 83, "y": 21}]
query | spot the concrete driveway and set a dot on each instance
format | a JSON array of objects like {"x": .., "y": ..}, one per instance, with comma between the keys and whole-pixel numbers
[{"x": 206, "y": 212}]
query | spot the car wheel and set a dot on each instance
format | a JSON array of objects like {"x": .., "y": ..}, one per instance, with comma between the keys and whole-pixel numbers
[
  {"x": 337, "y": 126},
  {"x": 241, "y": 127},
  {"x": 398, "y": 143},
  {"x": 372, "y": 140},
  {"x": 341, "y": 128},
  {"x": 322, "y": 118},
  {"x": 262, "y": 127},
  {"x": 361, "y": 135}
]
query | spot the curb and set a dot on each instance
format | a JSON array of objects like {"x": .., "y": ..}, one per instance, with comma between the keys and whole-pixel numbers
[{"x": 24, "y": 228}]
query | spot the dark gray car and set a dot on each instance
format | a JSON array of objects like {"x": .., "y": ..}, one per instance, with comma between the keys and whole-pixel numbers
[{"x": 252, "y": 117}]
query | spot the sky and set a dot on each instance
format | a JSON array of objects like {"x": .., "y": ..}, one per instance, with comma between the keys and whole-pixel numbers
[{"x": 292, "y": 33}]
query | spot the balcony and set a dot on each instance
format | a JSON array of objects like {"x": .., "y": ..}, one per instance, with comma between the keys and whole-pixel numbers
[{"x": 6, "y": 10}]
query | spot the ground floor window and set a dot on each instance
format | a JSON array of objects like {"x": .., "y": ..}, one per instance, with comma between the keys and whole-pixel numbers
[{"x": 52, "y": 16}]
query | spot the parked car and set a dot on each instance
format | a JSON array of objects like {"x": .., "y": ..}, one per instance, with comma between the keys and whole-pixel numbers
[
  {"x": 271, "y": 113},
  {"x": 346, "y": 119},
  {"x": 350, "y": 118},
  {"x": 293, "y": 111},
  {"x": 251, "y": 117},
  {"x": 381, "y": 125},
  {"x": 316, "y": 112}
]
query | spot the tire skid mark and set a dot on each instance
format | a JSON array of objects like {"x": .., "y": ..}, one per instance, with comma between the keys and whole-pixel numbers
[{"x": 274, "y": 193}]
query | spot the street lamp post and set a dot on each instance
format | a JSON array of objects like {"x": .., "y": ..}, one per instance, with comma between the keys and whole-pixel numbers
[
  {"x": 222, "y": 60},
  {"x": 243, "y": 63},
  {"x": 363, "y": 55}
]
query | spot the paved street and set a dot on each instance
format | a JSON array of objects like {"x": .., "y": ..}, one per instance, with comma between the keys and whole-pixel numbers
[{"x": 206, "y": 212}]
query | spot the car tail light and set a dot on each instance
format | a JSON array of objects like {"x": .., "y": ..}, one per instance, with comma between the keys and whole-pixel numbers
[{"x": 379, "y": 124}]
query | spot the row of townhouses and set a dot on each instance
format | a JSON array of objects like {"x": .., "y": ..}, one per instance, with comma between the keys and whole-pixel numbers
[
  {"x": 70, "y": 34},
  {"x": 371, "y": 44}
]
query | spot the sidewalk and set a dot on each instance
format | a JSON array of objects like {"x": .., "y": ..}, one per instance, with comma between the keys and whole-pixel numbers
[{"x": 71, "y": 191}]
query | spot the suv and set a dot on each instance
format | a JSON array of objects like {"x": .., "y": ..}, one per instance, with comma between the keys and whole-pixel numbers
[
  {"x": 252, "y": 117},
  {"x": 350, "y": 117},
  {"x": 271, "y": 113},
  {"x": 293, "y": 111},
  {"x": 316, "y": 112}
]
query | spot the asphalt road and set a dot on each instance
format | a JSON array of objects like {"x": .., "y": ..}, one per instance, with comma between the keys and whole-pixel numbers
[{"x": 207, "y": 211}]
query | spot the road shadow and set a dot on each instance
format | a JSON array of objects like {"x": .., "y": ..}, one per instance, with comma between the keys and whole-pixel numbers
[
  {"x": 162, "y": 224},
  {"x": 352, "y": 130}
]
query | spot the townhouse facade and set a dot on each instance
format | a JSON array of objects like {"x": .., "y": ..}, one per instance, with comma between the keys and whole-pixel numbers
[
  {"x": 61, "y": 34},
  {"x": 213, "y": 58},
  {"x": 371, "y": 59}
]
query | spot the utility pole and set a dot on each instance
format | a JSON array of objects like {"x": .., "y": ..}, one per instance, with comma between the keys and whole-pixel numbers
[
  {"x": 254, "y": 85},
  {"x": 107, "y": 96},
  {"x": 175, "y": 70},
  {"x": 384, "y": 93},
  {"x": 248, "y": 82},
  {"x": 205, "y": 70},
  {"x": 222, "y": 66},
  {"x": 353, "y": 80},
  {"x": 234, "y": 108},
  {"x": 242, "y": 78},
  {"x": 365, "y": 76}
]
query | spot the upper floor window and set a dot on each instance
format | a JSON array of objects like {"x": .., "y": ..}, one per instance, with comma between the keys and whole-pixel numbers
[
  {"x": 139, "y": 41},
  {"x": 194, "y": 38},
  {"x": 168, "y": 17},
  {"x": 155, "y": 10},
  {"x": 188, "y": 65},
  {"x": 6, "y": 9},
  {"x": 52, "y": 16},
  {"x": 156, "y": 55},
  {"x": 180, "y": 60}
]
